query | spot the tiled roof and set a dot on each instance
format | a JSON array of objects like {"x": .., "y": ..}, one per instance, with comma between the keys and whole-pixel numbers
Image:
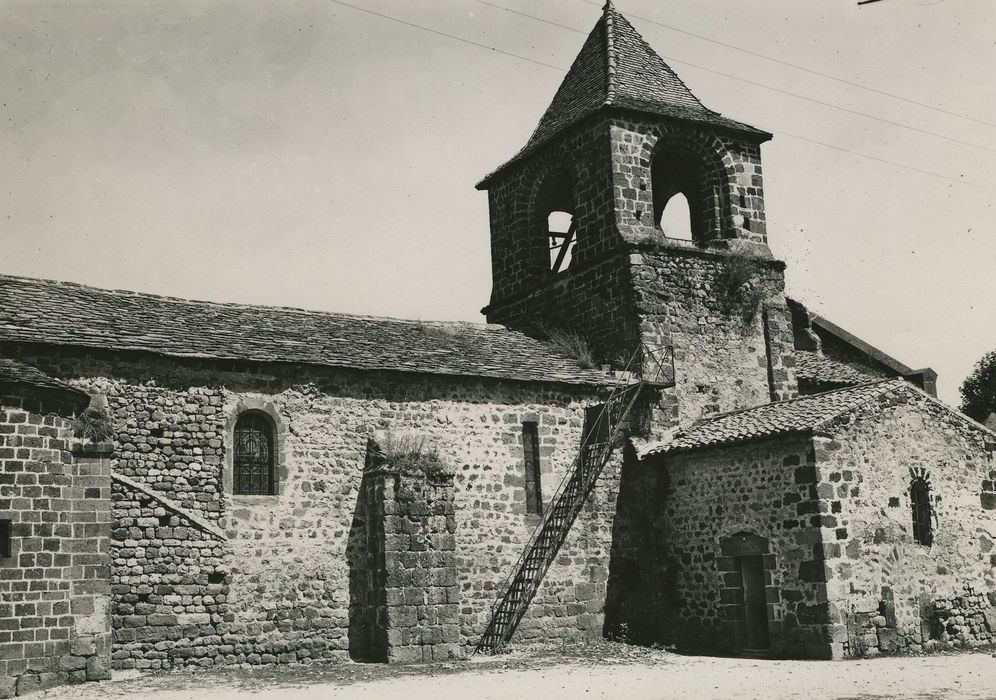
[
  {"x": 814, "y": 368},
  {"x": 617, "y": 68},
  {"x": 805, "y": 414},
  {"x": 14, "y": 372},
  {"x": 64, "y": 313}
]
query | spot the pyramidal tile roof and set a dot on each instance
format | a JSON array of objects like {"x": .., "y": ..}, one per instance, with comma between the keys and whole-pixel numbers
[
  {"x": 617, "y": 68},
  {"x": 69, "y": 314},
  {"x": 805, "y": 414}
]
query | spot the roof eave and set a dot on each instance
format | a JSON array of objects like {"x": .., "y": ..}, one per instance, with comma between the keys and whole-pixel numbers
[
  {"x": 356, "y": 367},
  {"x": 669, "y": 451},
  {"x": 750, "y": 133}
]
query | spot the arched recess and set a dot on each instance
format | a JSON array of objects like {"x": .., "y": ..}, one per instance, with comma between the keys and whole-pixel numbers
[
  {"x": 554, "y": 209},
  {"x": 921, "y": 508},
  {"x": 688, "y": 169}
]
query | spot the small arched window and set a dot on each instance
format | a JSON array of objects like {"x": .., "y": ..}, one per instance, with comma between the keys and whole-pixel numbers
[
  {"x": 923, "y": 531},
  {"x": 254, "y": 455}
]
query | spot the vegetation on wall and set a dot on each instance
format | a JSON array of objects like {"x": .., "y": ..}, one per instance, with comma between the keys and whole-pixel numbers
[
  {"x": 409, "y": 454},
  {"x": 978, "y": 391},
  {"x": 738, "y": 289},
  {"x": 94, "y": 424},
  {"x": 574, "y": 345}
]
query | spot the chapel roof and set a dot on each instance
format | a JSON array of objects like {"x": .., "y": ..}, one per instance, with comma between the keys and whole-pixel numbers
[
  {"x": 815, "y": 368},
  {"x": 37, "y": 391},
  {"x": 617, "y": 68},
  {"x": 806, "y": 414},
  {"x": 70, "y": 314},
  {"x": 14, "y": 372}
]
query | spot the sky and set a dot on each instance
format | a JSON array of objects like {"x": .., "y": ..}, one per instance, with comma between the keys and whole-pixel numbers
[{"x": 317, "y": 155}]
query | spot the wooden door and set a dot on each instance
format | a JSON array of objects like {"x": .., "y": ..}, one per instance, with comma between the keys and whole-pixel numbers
[{"x": 755, "y": 602}]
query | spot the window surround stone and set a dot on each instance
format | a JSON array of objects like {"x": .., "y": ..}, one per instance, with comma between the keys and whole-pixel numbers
[{"x": 280, "y": 470}]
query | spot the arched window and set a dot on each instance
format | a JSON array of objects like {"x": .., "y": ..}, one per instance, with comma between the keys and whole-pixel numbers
[
  {"x": 253, "y": 455},
  {"x": 920, "y": 504},
  {"x": 680, "y": 200},
  {"x": 555, "y": 206}
]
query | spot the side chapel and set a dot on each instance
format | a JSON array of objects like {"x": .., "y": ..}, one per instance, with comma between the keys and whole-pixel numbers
[{"x": 648, "y": 441}]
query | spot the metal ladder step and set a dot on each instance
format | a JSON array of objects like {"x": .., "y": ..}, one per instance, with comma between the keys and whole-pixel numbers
[{"x": 547, "y": 539}]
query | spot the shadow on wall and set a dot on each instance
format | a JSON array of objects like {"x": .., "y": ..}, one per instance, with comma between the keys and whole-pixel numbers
[
  {"x": 364, "y": 590},
  {"x": 641, "y": 594}
]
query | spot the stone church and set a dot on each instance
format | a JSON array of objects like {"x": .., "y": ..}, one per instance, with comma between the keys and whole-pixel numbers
[{"x": 648, "y": 441}]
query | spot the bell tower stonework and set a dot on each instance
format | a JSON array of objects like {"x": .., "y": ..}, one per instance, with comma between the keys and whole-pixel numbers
[{"x": 635, "y": 214}]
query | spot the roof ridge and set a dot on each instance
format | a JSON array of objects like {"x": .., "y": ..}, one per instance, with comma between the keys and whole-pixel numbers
[
  {"x": 804, "y": 397},
  {"x": 896, "y": 382},
  {"x": 41, "y": 281},
  {"x": 610, "y": 53}
]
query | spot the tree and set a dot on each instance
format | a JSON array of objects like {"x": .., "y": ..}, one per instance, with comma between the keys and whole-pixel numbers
[{"x": 978, "y": 391}]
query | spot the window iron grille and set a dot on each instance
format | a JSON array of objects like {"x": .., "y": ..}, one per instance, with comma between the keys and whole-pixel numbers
[{"x": 253, "y": 460}]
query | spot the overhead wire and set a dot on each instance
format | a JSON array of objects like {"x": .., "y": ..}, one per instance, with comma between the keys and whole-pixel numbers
[
  {"x": 960, "y": 181},
  {"x": 831, "y": 105},
  {"x": 805, "y": 69},
  {"x": 448, "y": 36},
  {"x": 561, "y": 69},
  {"x": 754, "y": 83}
]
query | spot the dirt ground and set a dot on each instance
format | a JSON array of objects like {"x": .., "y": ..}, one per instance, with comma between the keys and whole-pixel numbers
[{"x": 604, "y": 670}]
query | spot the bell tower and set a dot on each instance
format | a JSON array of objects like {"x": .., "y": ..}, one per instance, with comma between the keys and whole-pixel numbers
[{"x": 636, "y": 214}]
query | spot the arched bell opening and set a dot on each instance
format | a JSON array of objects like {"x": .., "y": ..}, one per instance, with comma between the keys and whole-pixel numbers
[
  {"x": 555, "y": 209},
  {"x": 683, "y": 204}
]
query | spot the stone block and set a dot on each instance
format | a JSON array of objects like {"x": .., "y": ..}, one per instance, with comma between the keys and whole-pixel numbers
[
  {"x": 889, "y": 641},
  {"x": 186, "y": 619},
  {"x": 82, "y": 646},
  {"x": 98, "y": 668},
  {"x": 72, "y": 663},
  {"x": 39, "y": 664},
  {"x": 28, "y": 683}
]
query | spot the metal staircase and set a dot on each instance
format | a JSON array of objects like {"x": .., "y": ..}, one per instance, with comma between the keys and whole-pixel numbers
[{"x": 545, "y": 542}]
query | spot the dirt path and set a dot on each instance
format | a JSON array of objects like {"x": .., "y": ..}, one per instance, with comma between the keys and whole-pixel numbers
[{"x": 608, "y": 671}]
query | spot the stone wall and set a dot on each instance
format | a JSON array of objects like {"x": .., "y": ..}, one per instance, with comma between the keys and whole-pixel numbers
[
  {"x": 54, "y": 597},
  {"x": 167, "y": 418},
  {"x": 289, "y": 558},
  {"x": 907, "y": 596},
  {"x": 168, "y": 583},
  {"x": 718, "y": 495},
  {"x": 732, "y": 348},
  {"x": 640, "y": 591},
  {"x": 412, "y": 598}
]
